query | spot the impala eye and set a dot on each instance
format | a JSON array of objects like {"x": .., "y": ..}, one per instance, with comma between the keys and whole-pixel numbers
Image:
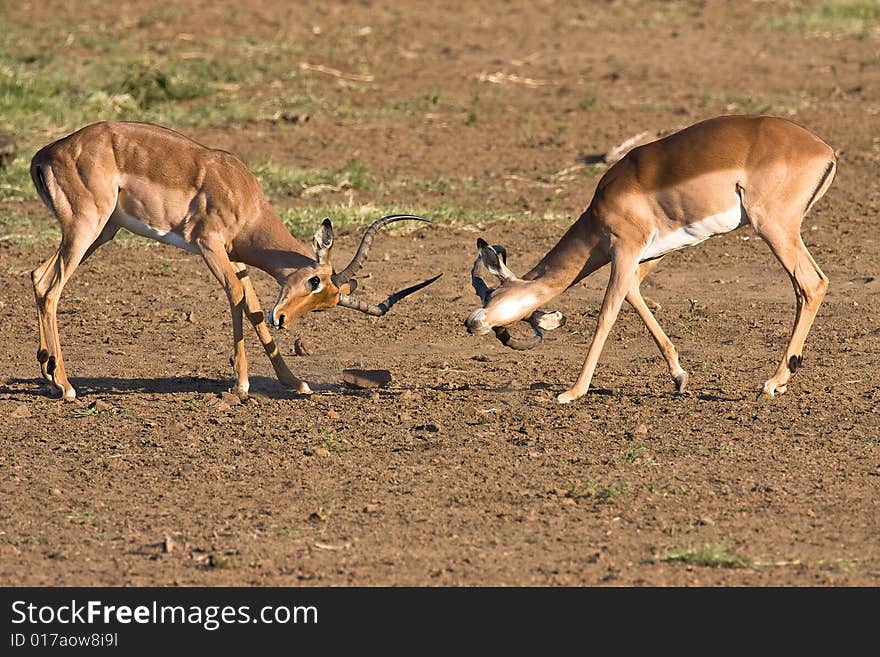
[{"x": 314, "y": 283}]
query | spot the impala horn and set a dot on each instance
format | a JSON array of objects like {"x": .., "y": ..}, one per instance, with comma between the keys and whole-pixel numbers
[
  {"x": 345, "y": 276},
  {"x": 484, "y": 292}
]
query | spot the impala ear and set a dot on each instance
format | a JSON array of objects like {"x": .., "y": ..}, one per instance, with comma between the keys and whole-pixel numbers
[
  {"x": 547, "y": 321},
  {"x": 323, "y": 241},
  {"x": 495, "y": 259}
]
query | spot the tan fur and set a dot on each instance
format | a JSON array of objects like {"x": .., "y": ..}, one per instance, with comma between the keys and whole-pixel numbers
[
  {"x": 168, "y": 187},
  {"x": 773, "y": 165}
]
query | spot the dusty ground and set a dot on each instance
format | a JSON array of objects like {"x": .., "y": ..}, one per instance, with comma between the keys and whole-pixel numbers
[{"x": 465, "y": 471}]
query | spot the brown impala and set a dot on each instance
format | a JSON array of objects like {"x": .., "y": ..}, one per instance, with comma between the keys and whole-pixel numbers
[
  {"x": 159, "y": 184},
  {"x": 705, "y": 180}
]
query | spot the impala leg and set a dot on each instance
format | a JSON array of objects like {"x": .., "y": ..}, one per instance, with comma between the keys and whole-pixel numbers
[
  {"x": 49, "y": 280},
  {"x": 664, "y": 344},
  {"x": 218, "y": 262},
  {"x": 810, "y": 285},
  {"x": 623, "y": 273},
  {"x": 258, "y": 319}
]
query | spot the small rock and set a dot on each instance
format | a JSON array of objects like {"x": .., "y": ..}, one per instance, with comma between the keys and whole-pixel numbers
[
  {"x": 191, "y": 317},
  {"x": 333, "y": 415},
  {"x": 229, "y": 398},
  {"x": 21, "y": 411},
  {"x": 169, "y": 545},
  {"x": 366, "y": 378},
  {"x": 99, "y": 406},
  {"x": 641, "y": 430},
  {"x": 289, "y": 117},
  {"x": 371, "y": 508},
  {"x": 323, "y": 452},
  {"x": 375, "y": 396},
  {"x": 56, "y": 492},
  {"x": 706, "y": 520},
  {"x": 406, "y": 394},
  {"x": 299, "y": 348},
  {"x": 540, "y": 385},
  {"x": 480, "y": 359},
  {"x": 7, "y": 548}
]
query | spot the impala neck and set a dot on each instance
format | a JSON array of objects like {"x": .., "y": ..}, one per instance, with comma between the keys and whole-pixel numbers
[
  {"x": 574, "y": 257},
  {"x": 269, "y": 246}
]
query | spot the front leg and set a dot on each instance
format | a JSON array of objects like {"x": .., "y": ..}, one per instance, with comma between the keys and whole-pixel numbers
[
  {"x": 623, "y": 273},
  {"x": 258, "y": 319},
  {"x": 218, "y": 262}
]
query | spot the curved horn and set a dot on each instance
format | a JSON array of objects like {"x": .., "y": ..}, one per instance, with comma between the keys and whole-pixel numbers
[
  {"x": 348, "y": 301},
  {"x": 360, "y": 256},
  {"x": 519, "y": 344}
]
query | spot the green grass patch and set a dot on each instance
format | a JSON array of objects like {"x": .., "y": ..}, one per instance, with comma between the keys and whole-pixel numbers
[
  {"x": 711, "y": 556},
  {"x": 15, "y": 181},
  {"x": 24, "y": 540},
  {"x": 859, "y": 18},
  {"x": 278, "y": 181},
  {"x": 303, "y": 221},
  {"x": 22, "y": 230},
  {"x": 591, "y": 490}
]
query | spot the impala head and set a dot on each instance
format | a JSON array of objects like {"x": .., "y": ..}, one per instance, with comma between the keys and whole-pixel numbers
[
  {"x": 313, "y": 287},
  {"x": 318, "y": 286},
  {"x": 512, "y": 301}
]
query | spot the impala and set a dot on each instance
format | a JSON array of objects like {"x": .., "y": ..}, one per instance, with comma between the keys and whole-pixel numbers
[
  {"x": 705, "y": 180},
  {"x": 162, "y": 185}
]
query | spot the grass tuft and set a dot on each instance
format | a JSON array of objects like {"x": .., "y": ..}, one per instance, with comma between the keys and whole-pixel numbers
[
  {"x": 851, "y": 17},
  {"x": 711, "y": 556}
]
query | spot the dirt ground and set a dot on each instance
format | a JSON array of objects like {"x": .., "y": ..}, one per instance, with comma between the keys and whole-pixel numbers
[{"x": 465, "y": 471}]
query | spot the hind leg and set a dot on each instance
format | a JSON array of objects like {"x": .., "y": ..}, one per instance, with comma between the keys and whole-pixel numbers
[
  {"x": 49, "y": 280},
  {"x": 810, "y": 285},
  {"x": 664, "y": 344}
]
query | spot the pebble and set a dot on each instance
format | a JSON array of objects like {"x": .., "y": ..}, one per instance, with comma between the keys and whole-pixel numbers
[
  {"x": 641, "y": 430},
  {"x": 323, "y": 452},
  {"x": 56, "y": 492},
  {"x": 21, "y": 411},
  {"x": 230, "y": 398},
  {"x": 299, "y": 348},
  {"x": 169, "y": 545},
  {"x": 371, "y": 508}
]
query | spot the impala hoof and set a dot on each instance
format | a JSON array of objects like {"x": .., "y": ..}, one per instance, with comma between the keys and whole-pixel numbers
[
  {"x": 567, "y": 397},
  {"x": 69, "y": 394},
  {"x": 303, "y": 388},
  {"x": 681, "y": 381},
  {"x": 771, "y": 390}
]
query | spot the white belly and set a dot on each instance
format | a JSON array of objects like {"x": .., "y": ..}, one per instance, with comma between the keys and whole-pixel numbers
[
  {"x": 138, "y": 227},
  {"x": 696, "y": 232}
]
